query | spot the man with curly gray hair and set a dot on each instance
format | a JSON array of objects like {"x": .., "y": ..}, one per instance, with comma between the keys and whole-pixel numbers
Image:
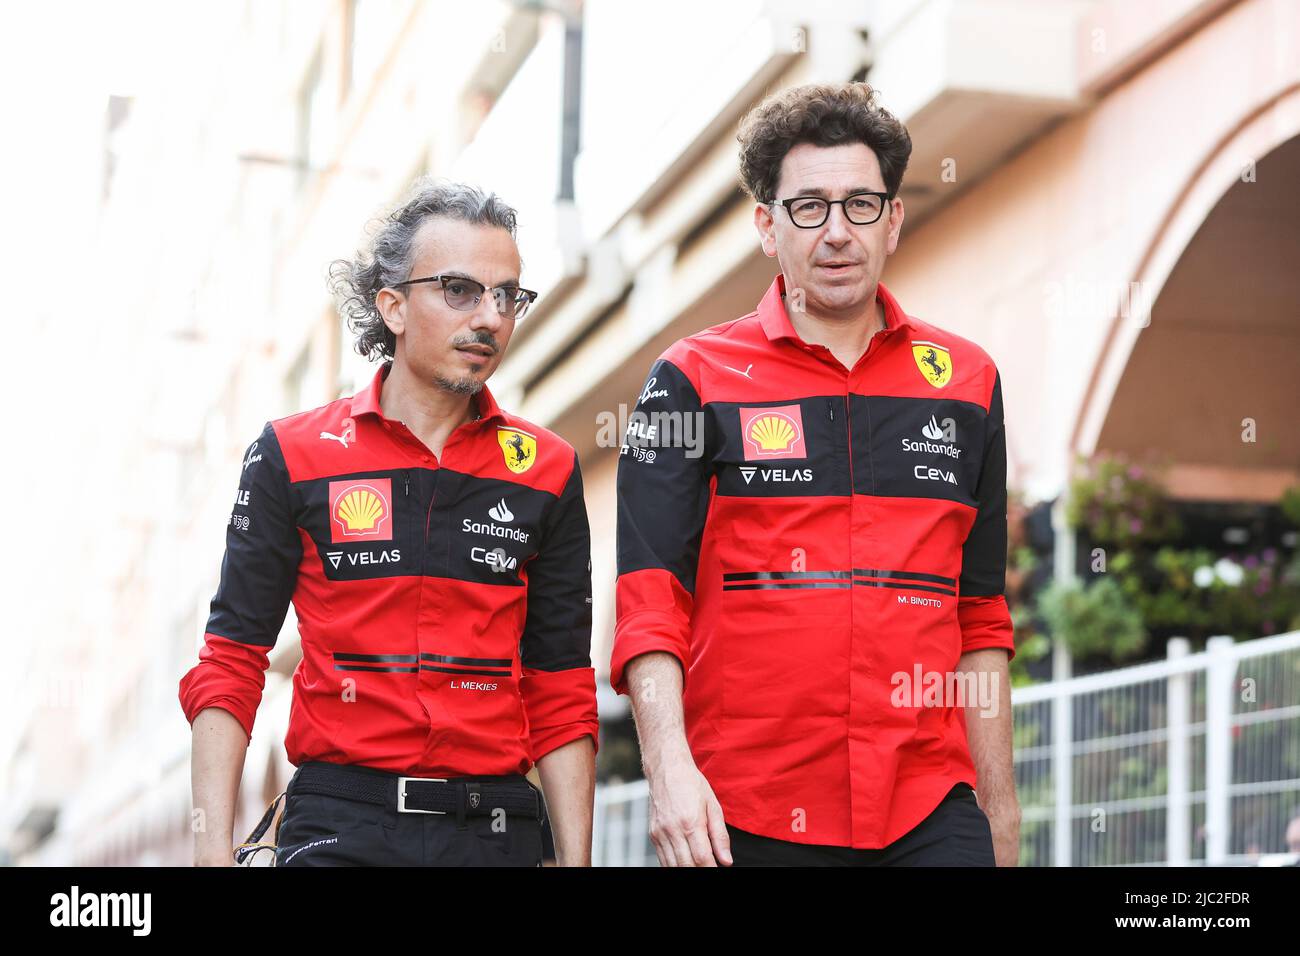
[
  {"x": 359, "y": 283},
  {"x": 437, "y": 553}
]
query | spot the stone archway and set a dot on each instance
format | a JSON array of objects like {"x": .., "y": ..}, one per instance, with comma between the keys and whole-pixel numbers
[{"x": 1219, "y": 354}]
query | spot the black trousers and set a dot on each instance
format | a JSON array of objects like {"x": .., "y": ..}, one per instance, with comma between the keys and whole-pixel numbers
[
  {"x": 956, "y": 833},
  {"x": 319, "y": 830}
]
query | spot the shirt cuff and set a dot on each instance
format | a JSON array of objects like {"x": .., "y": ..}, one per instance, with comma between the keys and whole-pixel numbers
[
  {"x": 229, "y": 675},
  {"x": 643, "y": 632},
  {"x": 560, "y": 706},
  {"x": 985, "y": 622}
]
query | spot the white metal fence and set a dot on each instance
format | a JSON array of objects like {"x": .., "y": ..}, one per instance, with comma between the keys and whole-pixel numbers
[{"x": 1187, "y": 761}]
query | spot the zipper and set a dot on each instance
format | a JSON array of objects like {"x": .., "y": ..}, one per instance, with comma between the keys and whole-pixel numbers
[
  {"x": 848, "y": 434},
  {"x": 428, "y": 515},
  {"x": 852, "y": 558},
  {"x": 408, "y": 532}
]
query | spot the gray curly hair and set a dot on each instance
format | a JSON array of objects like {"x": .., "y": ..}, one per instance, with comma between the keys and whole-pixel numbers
[{"x": 391, "y": 252}]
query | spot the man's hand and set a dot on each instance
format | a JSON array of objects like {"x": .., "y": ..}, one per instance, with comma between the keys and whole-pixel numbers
[{"x": 686, "y": 824}]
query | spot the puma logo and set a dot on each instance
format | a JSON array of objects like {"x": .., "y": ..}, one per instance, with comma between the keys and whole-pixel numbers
[
  {"x": 349, "y": 433},
  {"x": 739, "y": 372}
]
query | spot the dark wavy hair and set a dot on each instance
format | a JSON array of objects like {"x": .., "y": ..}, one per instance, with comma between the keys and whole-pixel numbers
[
  {"x": 824, "y": 115},
  {"x": 391, "y": 252}
]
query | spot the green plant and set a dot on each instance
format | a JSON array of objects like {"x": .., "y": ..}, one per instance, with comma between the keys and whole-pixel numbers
[
  {"x": 1120, "y": 502},
  {"x": 1031, "y": 647},
  {"x": 1196, "y": 593},
  {"x": 1022, "y": 563},
  {"x": 1095, "y": 618},
  {"x": 1290, "y": 504}
]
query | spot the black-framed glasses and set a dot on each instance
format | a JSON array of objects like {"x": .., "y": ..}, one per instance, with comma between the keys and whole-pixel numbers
[
  {"x": 465, "y": 294},
  {"x": 809, "y": 212}
]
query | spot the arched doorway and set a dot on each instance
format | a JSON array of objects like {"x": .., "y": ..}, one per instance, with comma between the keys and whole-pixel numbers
[{"x": 1213, "y": 382}]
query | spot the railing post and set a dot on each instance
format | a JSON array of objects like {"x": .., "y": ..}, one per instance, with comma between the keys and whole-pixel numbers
[
  {"x": 1219, "y": 689},
  {"x": 616, "y": 846},
  {"x": 1062, "y": 703},
  {"x": 640, "y": 826},
  {"x": 598, "y": 831},
  {"x": 1062, "y": 777},
  {"x": 1178, "y": 821}
]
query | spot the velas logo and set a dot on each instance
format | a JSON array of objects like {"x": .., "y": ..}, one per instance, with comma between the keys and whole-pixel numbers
[
  {"x": 772, "y": 433},
  {"x": 361, "y": 510}
]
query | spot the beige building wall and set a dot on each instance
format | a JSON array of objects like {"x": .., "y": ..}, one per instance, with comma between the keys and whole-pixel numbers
[{"x": 1035, "y": 263}]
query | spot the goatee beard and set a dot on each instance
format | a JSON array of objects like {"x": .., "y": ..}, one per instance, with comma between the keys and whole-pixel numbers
[{"x": 464, "y": 386}]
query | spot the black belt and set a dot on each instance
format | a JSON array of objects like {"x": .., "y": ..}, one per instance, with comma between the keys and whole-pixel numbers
[{"x": 459, "y": 796}]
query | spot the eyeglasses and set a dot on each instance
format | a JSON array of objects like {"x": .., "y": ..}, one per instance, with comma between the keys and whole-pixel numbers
[
  {"x": 809, "y": 212},
  {"x": 464, "y": 294}
]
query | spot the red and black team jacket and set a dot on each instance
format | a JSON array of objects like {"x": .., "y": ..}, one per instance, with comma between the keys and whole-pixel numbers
[
  {"x": 444, "y": 605},
  {"x": 835, "y": 541}
]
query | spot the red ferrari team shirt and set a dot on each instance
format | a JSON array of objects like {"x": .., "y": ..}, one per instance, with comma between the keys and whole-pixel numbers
[
  {"x": 444, "y": 604},
  {"x": 817, "y": 545}
]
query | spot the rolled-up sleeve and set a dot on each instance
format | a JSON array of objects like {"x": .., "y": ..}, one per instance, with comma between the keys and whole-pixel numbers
[
  {"x": 558, "y": 683},
  {"x": 258, "y": 573},
  {"x": 982, "y": 612}
]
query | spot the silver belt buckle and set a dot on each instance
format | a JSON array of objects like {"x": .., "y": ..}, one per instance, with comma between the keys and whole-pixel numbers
[{"x": 401, "y": 795}]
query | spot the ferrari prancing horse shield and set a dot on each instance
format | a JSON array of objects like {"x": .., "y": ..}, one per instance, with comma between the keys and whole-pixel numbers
[
  {"x": 519, "y": 449},
  {"x": 934, "y": 362}
]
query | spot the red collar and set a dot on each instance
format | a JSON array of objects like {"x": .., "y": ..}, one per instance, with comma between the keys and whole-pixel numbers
[
  {"x": 366, "y": 401},
  {"x": 776, "y": 322}
]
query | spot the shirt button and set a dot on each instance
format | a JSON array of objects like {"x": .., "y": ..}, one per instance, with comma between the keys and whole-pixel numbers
[{"x": 425, "y": 458}]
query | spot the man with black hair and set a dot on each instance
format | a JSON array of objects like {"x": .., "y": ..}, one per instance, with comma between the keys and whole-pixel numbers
[{"x": 811, "y": 621}]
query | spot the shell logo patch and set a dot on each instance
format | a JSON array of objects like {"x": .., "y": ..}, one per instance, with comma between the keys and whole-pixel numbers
[
  {"x": 361, "y": 510},
  {"x": 934, "y": 362},
  {"x": 518, "y": 448},
  {"x": 772, "y": 433}
]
